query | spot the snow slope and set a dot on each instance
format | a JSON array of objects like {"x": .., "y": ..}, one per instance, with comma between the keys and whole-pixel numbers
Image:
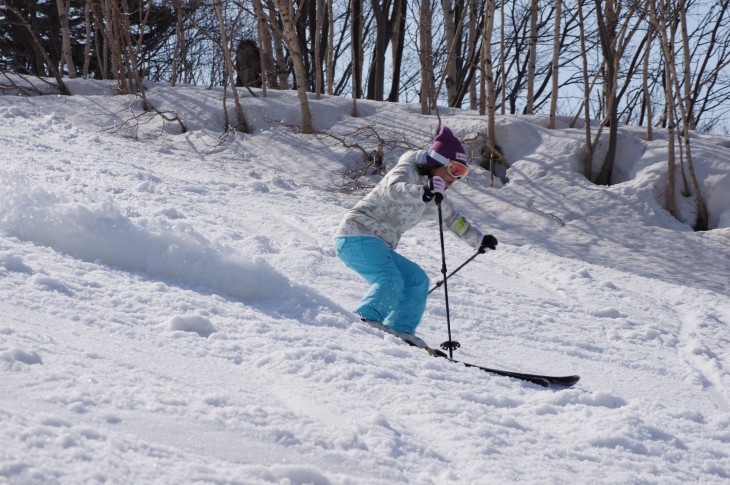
[{"x": 172, "y": 309}]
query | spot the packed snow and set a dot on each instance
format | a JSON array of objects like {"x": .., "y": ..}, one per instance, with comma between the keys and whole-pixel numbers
[{"x": 172, "y": 309}]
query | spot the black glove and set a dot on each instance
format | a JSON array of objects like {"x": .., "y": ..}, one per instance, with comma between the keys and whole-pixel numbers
[
  {"x": 434, "y": 190},
  {"x": 488, "y": 242}
]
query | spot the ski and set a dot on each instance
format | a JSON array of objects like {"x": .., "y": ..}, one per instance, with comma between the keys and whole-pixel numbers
[{"x": 551, "y": 382}]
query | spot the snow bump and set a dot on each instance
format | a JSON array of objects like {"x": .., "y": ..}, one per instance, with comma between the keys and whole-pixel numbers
[
  {"x": 22, "y": 356},
  {"x": 192, "y": 324}
]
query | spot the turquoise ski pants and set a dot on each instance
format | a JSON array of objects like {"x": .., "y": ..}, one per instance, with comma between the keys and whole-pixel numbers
[{"x": 399, "y": 287}]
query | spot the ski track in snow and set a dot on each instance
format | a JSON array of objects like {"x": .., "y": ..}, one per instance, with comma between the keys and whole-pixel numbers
[{"x": 167, "y": 324}]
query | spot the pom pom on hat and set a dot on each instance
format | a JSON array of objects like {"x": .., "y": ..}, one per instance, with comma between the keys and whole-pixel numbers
[{"x": 446, "y": 147}]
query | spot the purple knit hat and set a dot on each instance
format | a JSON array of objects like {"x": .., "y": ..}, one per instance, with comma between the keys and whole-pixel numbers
[{"x": 446, "y": 147}]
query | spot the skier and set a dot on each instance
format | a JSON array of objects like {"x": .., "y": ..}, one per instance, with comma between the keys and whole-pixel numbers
[{"x": 367, "y": 238}]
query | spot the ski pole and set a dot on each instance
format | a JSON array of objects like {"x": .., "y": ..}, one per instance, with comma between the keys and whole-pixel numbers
[
  {"x": 454, "y": 272},
  {"x": 449, "y": 345}
]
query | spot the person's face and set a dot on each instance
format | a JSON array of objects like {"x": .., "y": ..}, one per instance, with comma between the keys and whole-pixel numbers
[
  {"x": 452, "y": 172},
  {"x": 444, "y": 174}
]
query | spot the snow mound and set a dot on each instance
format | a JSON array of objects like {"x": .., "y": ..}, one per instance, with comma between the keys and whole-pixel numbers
[
  {"x": 22, "y": 356},
  {"x": 193, "y": 324}
]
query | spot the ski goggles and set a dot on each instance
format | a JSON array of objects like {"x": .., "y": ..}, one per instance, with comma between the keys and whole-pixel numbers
[{"x": 456, "y": 169}]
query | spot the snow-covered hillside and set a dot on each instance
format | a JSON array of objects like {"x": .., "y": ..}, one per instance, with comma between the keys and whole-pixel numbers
[{"x": 172, "y": 309}]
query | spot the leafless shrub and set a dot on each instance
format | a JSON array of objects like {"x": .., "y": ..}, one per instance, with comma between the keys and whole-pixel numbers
[{"x": 134, "y": 119}]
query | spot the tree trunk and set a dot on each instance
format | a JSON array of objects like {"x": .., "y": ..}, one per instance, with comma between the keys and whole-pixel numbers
[
  {"x": 112, "y": 36},
  {"x": 178, "y": 41},
  {"x": 356, "y": 52},
  {"x": 63, "y": 11},
  {"x": 534, "y": 8},
  {"x": 318, "y": 49},
  {"x": 605, "y": 35},
  {"x": 682, "y": 7},
  {"x": 266, "y": 55},
  {"x": 397, "y": 44},
  {"x": 473, "y": 36},
  {"x": 555, "y": 65},
  {"x": 491, "y": 91},
  {"x": 661, "y": 28},
  {"x": 304, "y": 21},
  {"x": 452, "y": 22},
  {"x": 100, "y": 40},
  {"x": 425, "y": 57},
  {"x": 673, "y": 88},
  {"x": 502, "y": 59},
  {"x": 87, "y": 46},
  {"x": 281, "y": 69},
  {"x": 288, "y": 18},
  {"x": 134, "y": 47},
  {"x": 376, "y": 82},
  {"x": 671, "y": 165},
  {"x": 645, "y": 86},
  {"x": 702, "y": 220},
  {"x": 483, "y": 79},
  {"x": 588, "y": 154},
  {"x": 330, "y": 49},
  {"x": 241, "y": 117},
  {"x": 489, "y": 77}
]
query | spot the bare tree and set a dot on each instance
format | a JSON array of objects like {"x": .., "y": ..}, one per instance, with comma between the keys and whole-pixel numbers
[
  {"x": 664, "y": 21},
  {"x": 489, "y": 78},
  {"x": 107, "y": 18},
  {"x": 397, "y": 41},
  {"x": 467, "y": 52},
  {"x": 502, "y": 58},
  {"x": 709, "y": 55},
  {"x": 133, "y": 47},
  {"x": 242, "y": 124},
  {"x": 266, "y": 55},
  {"x": 607, "y": 24},
  {"x": 356, "y": 43},
  {"x": 425, "y": 53},
  {"x": 555, "y": 65},
  {"x": 453, "y": 15},
  {"x": 63, "y": 11},
  {"x": 88, "y": 40},
  {"x": 661, "y": 28},
  {"x": 615, "y": 38},
  {"x": 534, "y": 8},
  {"x": 492, "y": 151},
  {"x": 483, "y": 54},
  {"x": 330, "y": 48},
  {"x": 288, "y": 18},
  {"x": 383, "y": 31},
  {"x": 645, "y": 84},
  {"x": 278, "y": 41},
  {"x": 473, "y": 34},
  {"x": 179, "y": 40},
  {"x": 682, "y": 11},
  {"x": 588, "y": 153},
  {"x": 318, "y": 81}
]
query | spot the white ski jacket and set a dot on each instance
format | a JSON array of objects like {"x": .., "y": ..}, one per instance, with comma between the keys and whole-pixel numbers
[{"x": 396, "y": 205}]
